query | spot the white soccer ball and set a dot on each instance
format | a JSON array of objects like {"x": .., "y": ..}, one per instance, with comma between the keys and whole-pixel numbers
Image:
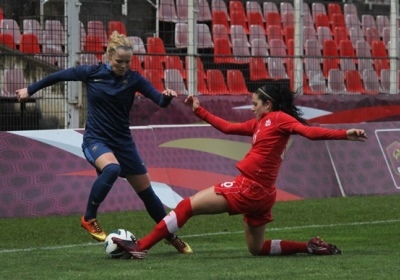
[{"x": 112, "y": 250}]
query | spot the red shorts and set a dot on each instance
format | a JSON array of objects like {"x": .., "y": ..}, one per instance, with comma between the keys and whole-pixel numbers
[{"x": 249, "y": 198}]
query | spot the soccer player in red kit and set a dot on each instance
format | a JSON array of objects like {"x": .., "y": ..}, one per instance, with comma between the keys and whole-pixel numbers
[{"x": 253, "y": 192}]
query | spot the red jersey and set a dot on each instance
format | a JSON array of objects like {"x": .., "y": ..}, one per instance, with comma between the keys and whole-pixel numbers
[{"x": 270, "y": 136}]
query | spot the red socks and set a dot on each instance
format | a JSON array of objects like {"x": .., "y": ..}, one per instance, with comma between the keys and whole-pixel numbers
[
  {"x": 283, "y": 247},
  {"x": 170, "y": 224}
]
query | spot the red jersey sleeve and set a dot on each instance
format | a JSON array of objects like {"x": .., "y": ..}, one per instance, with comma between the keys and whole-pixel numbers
[
  {"x": 291, "y": 125},
  {"x": 246, "y": 128}
]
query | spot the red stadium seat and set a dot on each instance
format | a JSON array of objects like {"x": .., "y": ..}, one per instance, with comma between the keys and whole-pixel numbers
[
  {"x": 29, "y": 44},
  {"x": 153, "y": 76},
  {"x": 216, "y": 82},
  {"x": 236, "y": 82},
  {"x": 258, "y": 69},
  {"x": 174, "y": 62},
  {"x": 116, "y": 25}
]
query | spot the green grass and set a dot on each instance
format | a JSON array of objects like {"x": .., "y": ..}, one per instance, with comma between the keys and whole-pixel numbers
[{"x": 367, "y": 229}]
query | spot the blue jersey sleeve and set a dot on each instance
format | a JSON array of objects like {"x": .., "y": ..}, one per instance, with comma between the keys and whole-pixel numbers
[
  {"x": 149, "y": 91},
  {"x": 77, "y": 73}
]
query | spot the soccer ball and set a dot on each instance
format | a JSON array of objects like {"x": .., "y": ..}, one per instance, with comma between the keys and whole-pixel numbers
[{"x": 112, "y": 250}]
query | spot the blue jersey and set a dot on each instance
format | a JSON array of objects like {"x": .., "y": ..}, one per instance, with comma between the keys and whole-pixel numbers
[{"x": 110, "y": 99}]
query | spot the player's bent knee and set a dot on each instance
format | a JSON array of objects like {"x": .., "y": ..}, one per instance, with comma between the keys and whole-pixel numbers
[{"x": 112, "y": 169}]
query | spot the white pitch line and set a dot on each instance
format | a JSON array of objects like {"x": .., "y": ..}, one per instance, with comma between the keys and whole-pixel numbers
[{"x": 206, "y": 234}]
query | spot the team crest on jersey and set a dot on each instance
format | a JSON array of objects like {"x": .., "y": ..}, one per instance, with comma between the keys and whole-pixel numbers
[{"x": 268, "y": 122}]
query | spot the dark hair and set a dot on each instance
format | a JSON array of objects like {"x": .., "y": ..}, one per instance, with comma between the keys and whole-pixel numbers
[{"x": 282, "y": 99}]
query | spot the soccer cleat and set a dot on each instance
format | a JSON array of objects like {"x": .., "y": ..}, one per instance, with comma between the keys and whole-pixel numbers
[
  {"x": 94, "y": 229},
  {"x": 181, "y": 246},
  {"x": 130, "y": 247},
  {"x": 317, "y": 246}
]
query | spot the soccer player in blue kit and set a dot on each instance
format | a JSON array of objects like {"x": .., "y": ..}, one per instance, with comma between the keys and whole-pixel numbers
[{"x": 107, "y": 141}]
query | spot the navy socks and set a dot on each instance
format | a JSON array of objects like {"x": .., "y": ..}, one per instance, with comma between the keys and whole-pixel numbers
[
  {"x": 101, "y": 188},
  {"x": 153, "y": 204}
]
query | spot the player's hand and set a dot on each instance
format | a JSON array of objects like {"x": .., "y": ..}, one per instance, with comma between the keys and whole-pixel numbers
[
  {"x": 194, "y": 101},
  {"x": 22, "y": 94},
  {"x": 169, "y": 93},
  {"x": 356, "y": 135}
]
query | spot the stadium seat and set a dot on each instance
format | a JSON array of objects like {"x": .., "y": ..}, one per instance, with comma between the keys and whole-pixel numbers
[
  {"x": 277, "y": 48},
  {"x": 347, "y": 64},
  {"x": 287, "y": 19},
  {"x": 371, "y": 34},
  {"x": 308, "y": 19},
  {"x": 220, "y": 5},
  {"x": 154, "y": 62},
  {"x": 382, "y": 21},
  {"x": 336, "y": 83},
  {"x": 174, "y": 80},
  {"x": 201, "y": 83},
  {"x": 204, "y": 38},
  {"x": 96, "y": 28},
  {"x": 239, "y": 18},
  {"x": 236, "y": 6},
  {"x": 371, "y": 82},
  {"x": 318, "y": 8},
  {"x": 346, "y": 49},
  {"x": 350, "y": 8},
  {"x": 274, "y": 32},
  {"x": 338, "y": 21},
  {"x": 29, "y": 44},
  {"x": 167, "y": 11},
  {"x": 220, "y": 31},
  {"x": 94, "y": 45},
  {"x": 88, "y": 59},
  {"x": 367, "y": 21},
  {"x": 222, "y": 51},
  {"x": 53, "y": 54},
  {"x": 155, "y": 45},
  {"x": 181, "y": 35},
  {"x": 330, "y": 58},
  {"x": 352, "y": 20},
  {"x": 339, "y": 33},
  {"x": 323, "y": 34},
  {"x": 136, "y": 64},
  {"x": 310, "y": 34},
  {"x": 204, "y": 11},
  {"x": 116, "y": 25},
  {"x": 356, "y": 34},
  {"x": 259, "y": 48},
  {"x": 276, "y": 68},
  {"x": 286, "y": 7},
  {"x": 240, "y": 51},
  {"x": 238, "y": 32},
  {"x": 385, "y": 80},
  {"x": 312, "y": 48},
  {"x": 175, "y": 62},
  {"x": 353, "y": 82},
  {"x": 219, "y": 17},
  {"x": 272, "y": 18},
  {"x": 312, "y": 64},
  {"x": 258, "y": 69},
  {"x": 257, "y": 32},
  {"x": 138, "y": 46},
  {"x": 253, "y": 7},
  {"x": 333, "y": 8},
  {"x": 255, "y": 18},
  {"x": 10, "y": 26},
  {"x": 182, "y": 10},
  {"x": 322, "y": 20},
  {"x": 235, "y": 82},
  {"x": 33, "y": 26},
  {"x": 153, "y": 76},
  {"x": 7, "y": 39},
  {"x": 13, "y": 79},
  {"x": 269, "y": 7},
  {"x": 316, "y": 82},
  {"x": 386, "y": 36},
  {"x": 216, "y": 82},
  {"x": 380, "y": 56}
]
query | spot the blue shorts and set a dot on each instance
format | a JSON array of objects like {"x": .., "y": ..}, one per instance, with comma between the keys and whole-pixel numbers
[{"x": 127, "y": 156}]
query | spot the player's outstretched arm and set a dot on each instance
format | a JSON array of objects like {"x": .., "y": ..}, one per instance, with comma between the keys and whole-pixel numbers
[
  {"x": 22, "y": 94},
  {"x": 356, "y": 135}
]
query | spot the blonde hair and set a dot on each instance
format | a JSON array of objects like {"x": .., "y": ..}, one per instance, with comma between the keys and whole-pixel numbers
[{"x": 117, "y": 41}]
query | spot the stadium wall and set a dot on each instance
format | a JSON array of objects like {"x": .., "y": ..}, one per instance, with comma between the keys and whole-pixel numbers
[{"x": 44, "y": 172}]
